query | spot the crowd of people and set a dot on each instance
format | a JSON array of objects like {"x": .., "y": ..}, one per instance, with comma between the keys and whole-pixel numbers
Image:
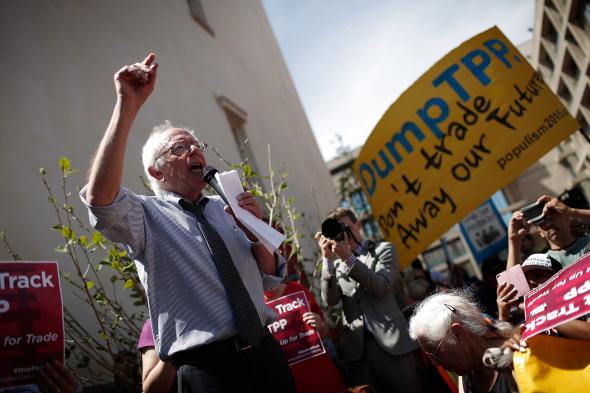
[{"x": 208, "y": 278}]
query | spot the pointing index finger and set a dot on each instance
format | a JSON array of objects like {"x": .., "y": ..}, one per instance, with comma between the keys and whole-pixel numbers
[{"x": 149, "y": 59}]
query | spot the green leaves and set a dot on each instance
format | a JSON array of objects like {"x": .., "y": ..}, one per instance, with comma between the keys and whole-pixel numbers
[
  {"x": 248, "y": 171},
  {"x": 67, "y": 233},
  {"x": 97, "y": 238},
  {"x": 61, "y": 249},
  {"x": 83, "y": 241},
  {"x": 66, "y": 166},
  {"x": 111, "y": 328}
]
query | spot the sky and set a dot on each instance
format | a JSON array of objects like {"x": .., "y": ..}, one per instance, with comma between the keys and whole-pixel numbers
[{"x": 351, "y": 59}]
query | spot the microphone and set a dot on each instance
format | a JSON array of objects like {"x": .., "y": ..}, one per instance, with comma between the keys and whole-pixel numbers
[{"x": 209, "y": 177}]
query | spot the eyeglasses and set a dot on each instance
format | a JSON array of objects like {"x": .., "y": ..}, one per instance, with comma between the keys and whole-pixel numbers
[
  {"x": 180, "y": 148},
  {"x": 433, "y": 354}
]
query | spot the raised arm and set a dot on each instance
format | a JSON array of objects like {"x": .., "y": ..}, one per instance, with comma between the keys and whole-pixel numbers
[
  {"x": 554, "y": 206},
  {"x": 133, "y": 84},
  {"x": 379, "y": 281},
  {"x": 517, "y": 228},
  {"x": 330, "y": 290}
]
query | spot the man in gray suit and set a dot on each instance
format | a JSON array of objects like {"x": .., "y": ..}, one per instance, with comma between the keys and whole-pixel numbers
[{"x": 375, "y": 341}]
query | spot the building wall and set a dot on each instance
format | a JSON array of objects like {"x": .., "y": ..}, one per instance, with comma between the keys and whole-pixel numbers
[
  {"x": 560, "y": 51},
  {"x": 57, "y": 95}
]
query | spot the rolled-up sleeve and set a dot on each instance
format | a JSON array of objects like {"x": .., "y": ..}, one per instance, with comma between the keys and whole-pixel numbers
[
  {"x": 270, "y": 281},
  {"x": 122, "y": 221}
]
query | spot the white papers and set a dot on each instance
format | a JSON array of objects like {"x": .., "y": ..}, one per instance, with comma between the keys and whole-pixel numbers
[{"x": 232, "y": 186}]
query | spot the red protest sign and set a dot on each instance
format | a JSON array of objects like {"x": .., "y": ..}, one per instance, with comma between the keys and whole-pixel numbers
[
  {"x": 298, "y": 340},
  {"x": 31, "y": 320},
  {"x": 563, "y": 297}
]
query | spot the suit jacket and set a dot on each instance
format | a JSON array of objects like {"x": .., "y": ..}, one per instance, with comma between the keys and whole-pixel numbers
[{"x": 367, "y": 294}]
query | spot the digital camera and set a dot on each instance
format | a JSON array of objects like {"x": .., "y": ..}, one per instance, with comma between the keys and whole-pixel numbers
[{"x": 333, "y": 229}]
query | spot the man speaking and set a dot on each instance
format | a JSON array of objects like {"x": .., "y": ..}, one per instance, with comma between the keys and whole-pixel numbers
[{"x": 204, "y": 274}]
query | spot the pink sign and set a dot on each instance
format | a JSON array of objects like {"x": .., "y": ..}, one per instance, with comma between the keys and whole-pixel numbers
[
  {"x": 563, "y": 297},
  {"x": 298, "y": 340},
  {"x": 31, "y": 320}
]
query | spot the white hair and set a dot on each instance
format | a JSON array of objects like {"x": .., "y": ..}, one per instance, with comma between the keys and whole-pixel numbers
[
  {"x": 153, "y": 146},
  {"x": 433, "y": 318}
]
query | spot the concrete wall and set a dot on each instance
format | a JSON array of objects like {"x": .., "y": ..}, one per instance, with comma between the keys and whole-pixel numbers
[{"x": 58, "y": 59}]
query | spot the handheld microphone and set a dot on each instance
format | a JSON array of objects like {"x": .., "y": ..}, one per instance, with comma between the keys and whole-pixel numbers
[{"x": 209, "y": 177}]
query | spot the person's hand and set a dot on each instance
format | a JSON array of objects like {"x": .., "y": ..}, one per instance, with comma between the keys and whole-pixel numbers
[
  {"x": 517, "y": 227},
  {"x": 516, "y": 342},
  {"x": 554, "y": 207},
  {"x": 325, "y": 245},
  {"x": 506, "y": 298},
  {"x": 314, "y": 320},
  {"x": 342, "y": 248},
  {"x": 55, "y": 378},
  {"x": 134, "y": 83},
  {"x": 248, "y": 202}
]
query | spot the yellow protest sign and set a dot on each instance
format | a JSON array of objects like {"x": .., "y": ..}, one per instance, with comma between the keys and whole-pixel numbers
[{"x": 470, "y": 125}]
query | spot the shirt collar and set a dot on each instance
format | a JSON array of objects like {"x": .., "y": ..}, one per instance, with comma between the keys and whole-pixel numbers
[{"x": 174, "y": 198}]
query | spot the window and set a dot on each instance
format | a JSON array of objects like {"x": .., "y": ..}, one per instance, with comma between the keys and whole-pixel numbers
[
  {"x": 198, "y": 14},
  {"x": 585, "y": 130},
  {"x": 236, "y": 118},
  {"x": 549, "y": 33},
  {"x": 570, "y": 67},
  {"x": 585, "y": 19}
]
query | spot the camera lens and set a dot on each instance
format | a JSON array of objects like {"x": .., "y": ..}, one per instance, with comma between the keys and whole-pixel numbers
[{"x": 332, "y": 229}]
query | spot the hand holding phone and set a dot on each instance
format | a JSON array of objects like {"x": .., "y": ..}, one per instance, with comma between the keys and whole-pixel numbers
[{"x": 516, "y": 277}]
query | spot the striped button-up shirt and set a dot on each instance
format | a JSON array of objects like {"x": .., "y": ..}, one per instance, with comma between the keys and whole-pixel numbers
[{"x": 186, "y": 298}]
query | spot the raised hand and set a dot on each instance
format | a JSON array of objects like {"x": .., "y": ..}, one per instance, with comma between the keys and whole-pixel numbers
[
  {"x": 325, "y": 245},
  {"x": 553, "y": 206},
  {"x": 517, "y": 227},
  {"x": 506, "y": 298},
  {"x": 134, "y": 83}
]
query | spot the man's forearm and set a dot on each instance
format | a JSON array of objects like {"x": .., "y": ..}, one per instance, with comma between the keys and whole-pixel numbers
[
  {"x": 106, "y": 171},
  {"x": 160, "y": 379},
  {"x": 581, "y": 214},
  {"x": 265, "y": 259},
  {"x": 330, "y": 290}
]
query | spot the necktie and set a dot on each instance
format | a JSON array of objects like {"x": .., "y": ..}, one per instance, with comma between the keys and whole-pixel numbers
[{"x": 245, "y": 315}]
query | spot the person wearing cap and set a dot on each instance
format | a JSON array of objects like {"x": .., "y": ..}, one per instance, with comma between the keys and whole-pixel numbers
[
  {"x": 555, "y": 228},
  {"x": 538, "y": 268}
]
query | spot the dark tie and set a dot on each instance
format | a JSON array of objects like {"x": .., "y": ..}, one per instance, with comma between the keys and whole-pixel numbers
[{"x": 245, "y": 315}]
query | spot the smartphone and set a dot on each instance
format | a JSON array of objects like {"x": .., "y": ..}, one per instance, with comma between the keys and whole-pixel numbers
[
  {"x": 515, "y": 276},
  {"x": 533, "y": 213}
]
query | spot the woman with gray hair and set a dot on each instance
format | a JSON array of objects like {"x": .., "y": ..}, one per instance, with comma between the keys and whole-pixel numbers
[{"x": 453, "y": 332}]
